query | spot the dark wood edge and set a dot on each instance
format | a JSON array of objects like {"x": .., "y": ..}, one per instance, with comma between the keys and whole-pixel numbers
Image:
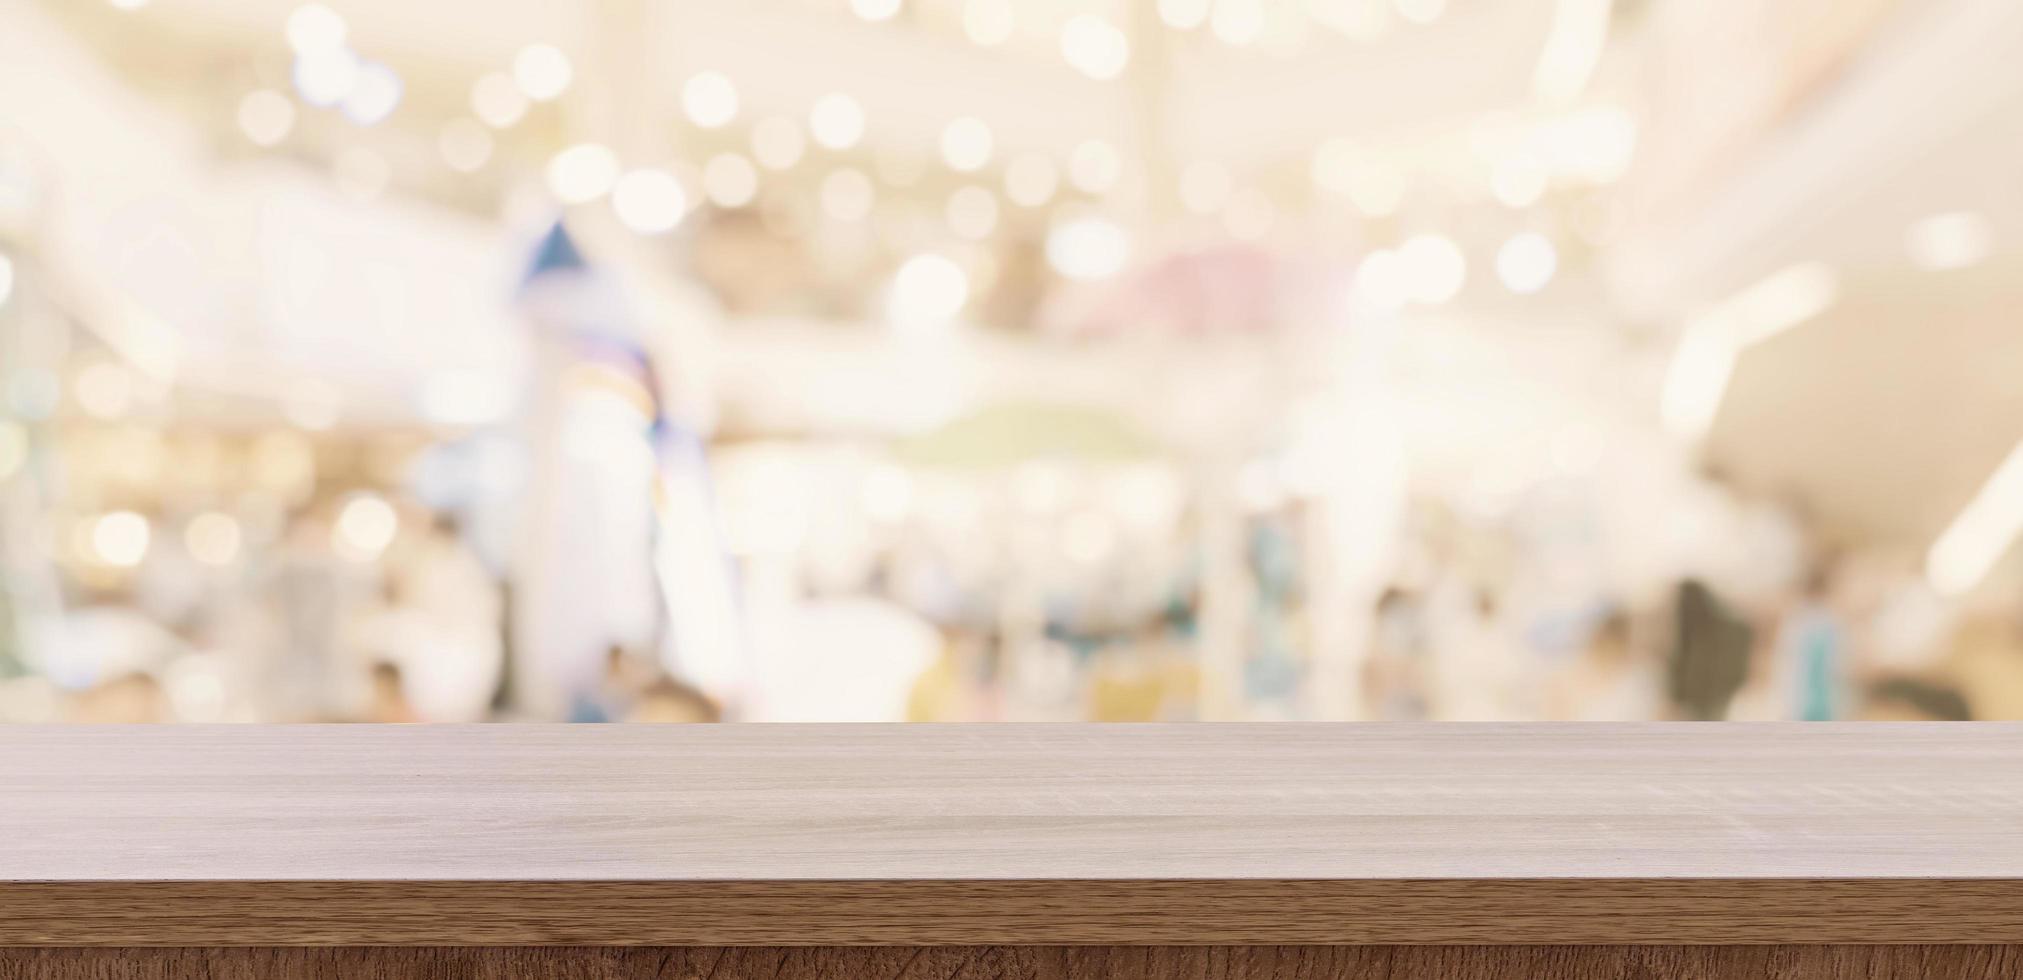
[
  {"x": 1071, "y": 912},
  {"x": 1783, "y": 962}
]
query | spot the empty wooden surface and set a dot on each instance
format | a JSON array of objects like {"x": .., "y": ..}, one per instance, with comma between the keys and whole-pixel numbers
[
  {"x": 1012, "y": 833},
  {"x": 1030, "y": 963},
  {"x": 965, "y": 802}
]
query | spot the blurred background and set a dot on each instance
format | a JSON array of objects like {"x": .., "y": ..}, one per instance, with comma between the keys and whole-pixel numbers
[{"x": 1010, "y": 359}]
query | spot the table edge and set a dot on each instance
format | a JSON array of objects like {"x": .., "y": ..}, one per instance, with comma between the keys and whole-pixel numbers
[{"x": 1510, "y": 911}]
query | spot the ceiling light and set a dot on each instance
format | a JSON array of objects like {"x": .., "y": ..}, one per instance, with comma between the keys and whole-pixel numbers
[
  {"x": 710, "y": 99},
  {"x": 1526, "y": 263},
  {"x": 582, "y": 173},
  {"x": 542, "y": 71},
  {"x": 836, "y": 121},
  {"x": 1088, "y": 248},
  {"x": 1952, "y": 240},
  {"x": 966, "y": 143},
  {"x": 1982, "y": 533},
  {"x": 649, "y": 201}
]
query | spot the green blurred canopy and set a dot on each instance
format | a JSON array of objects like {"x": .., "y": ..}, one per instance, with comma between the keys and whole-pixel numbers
[{"x": 1013, "y": 432}]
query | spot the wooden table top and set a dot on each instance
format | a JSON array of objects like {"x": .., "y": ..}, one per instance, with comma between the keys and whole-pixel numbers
[{"x": 1282, "y": 817}]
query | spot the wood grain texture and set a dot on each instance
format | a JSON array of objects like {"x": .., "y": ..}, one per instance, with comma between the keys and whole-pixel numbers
[
  {"x": 1441, "y": 911},
  {"x": 978, "y": 802},
  {"x": 1012, "y": 834},
  {"x": 1027, "y": 963}
]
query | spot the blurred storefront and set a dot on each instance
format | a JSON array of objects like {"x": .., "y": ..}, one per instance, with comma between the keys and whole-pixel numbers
[{"x": 1009, "y": 359}]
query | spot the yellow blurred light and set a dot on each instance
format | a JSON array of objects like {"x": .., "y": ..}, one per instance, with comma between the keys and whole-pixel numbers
[
  {"x": 6, "y": 279},
  {"x": 1030, "y": 179},
  {"x": 847, "y": 195},
  {"x": 120, "y": 538},
  {"x": 988, "y": 22},
  {"x": 543, "y": 72},
  {"x": 284, "y": 463},
  {"x": 128, "y": 4},
  {"x": 1205, "y": 186},
  {"x": 1526, "y": 263},
  {"x": 212, "y": 538},
  {"x": 582, "y": 173},
  {"x": 1953, "y": 240},
  {"x": 875, "y": 10},
  {"x": 465, "y": 146},
  {"x": 730, "y": 180},
  {"x": 314, "y": 27},
  {"x": 365, "y": 527},
  {"x": 1183, "y": 15},
  {"x": 266, "y": 116},
  {"x": 1094, "y": 166},
  {"x": 497, "y": 100},
  {"x": 836, "y": 121},
  {"x": 972, "y": 212},
  {"x": 1984, "y": 531},
  {"x": 777, "y": 142},
  {"x": 1095, "y": 47},
  {"x": 1420, "y": 11},
  {"x": 927, "y": 291},
  {"x": 649, "y": 201},
  {"x": 1088, "y": 248},
  {"x": 966, "y": 144},
  {"x": 710, "y": 99},
  {"x": 1433, "y": 268}
]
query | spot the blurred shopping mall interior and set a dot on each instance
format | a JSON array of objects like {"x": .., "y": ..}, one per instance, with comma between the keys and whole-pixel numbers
[{"x": 1109, "y": 360}]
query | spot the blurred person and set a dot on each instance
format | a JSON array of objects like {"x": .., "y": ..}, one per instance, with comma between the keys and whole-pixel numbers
[
  {"x": 387, "y": 702},
  {"x": 584, "y": 562},
  {"x": 1811, "y": 653},
  {"x": 667, "y": 700},
  {"x": 1608, "y": 681},
  {"x": 1474, "y": 666},
  {"x": 310, "y": 589},
  {"x": 1710, "y": 654},
  {"x": 626, "y": 679},
  {"x": 1913, "y": 699},
  {"x": 438, "y": 618},
  {"x": 1147, "y": 677},
  {"x": 1396, "y": 674}
]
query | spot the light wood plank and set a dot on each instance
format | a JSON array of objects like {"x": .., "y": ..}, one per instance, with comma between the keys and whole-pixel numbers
[{"x": 963, "y": 802}]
